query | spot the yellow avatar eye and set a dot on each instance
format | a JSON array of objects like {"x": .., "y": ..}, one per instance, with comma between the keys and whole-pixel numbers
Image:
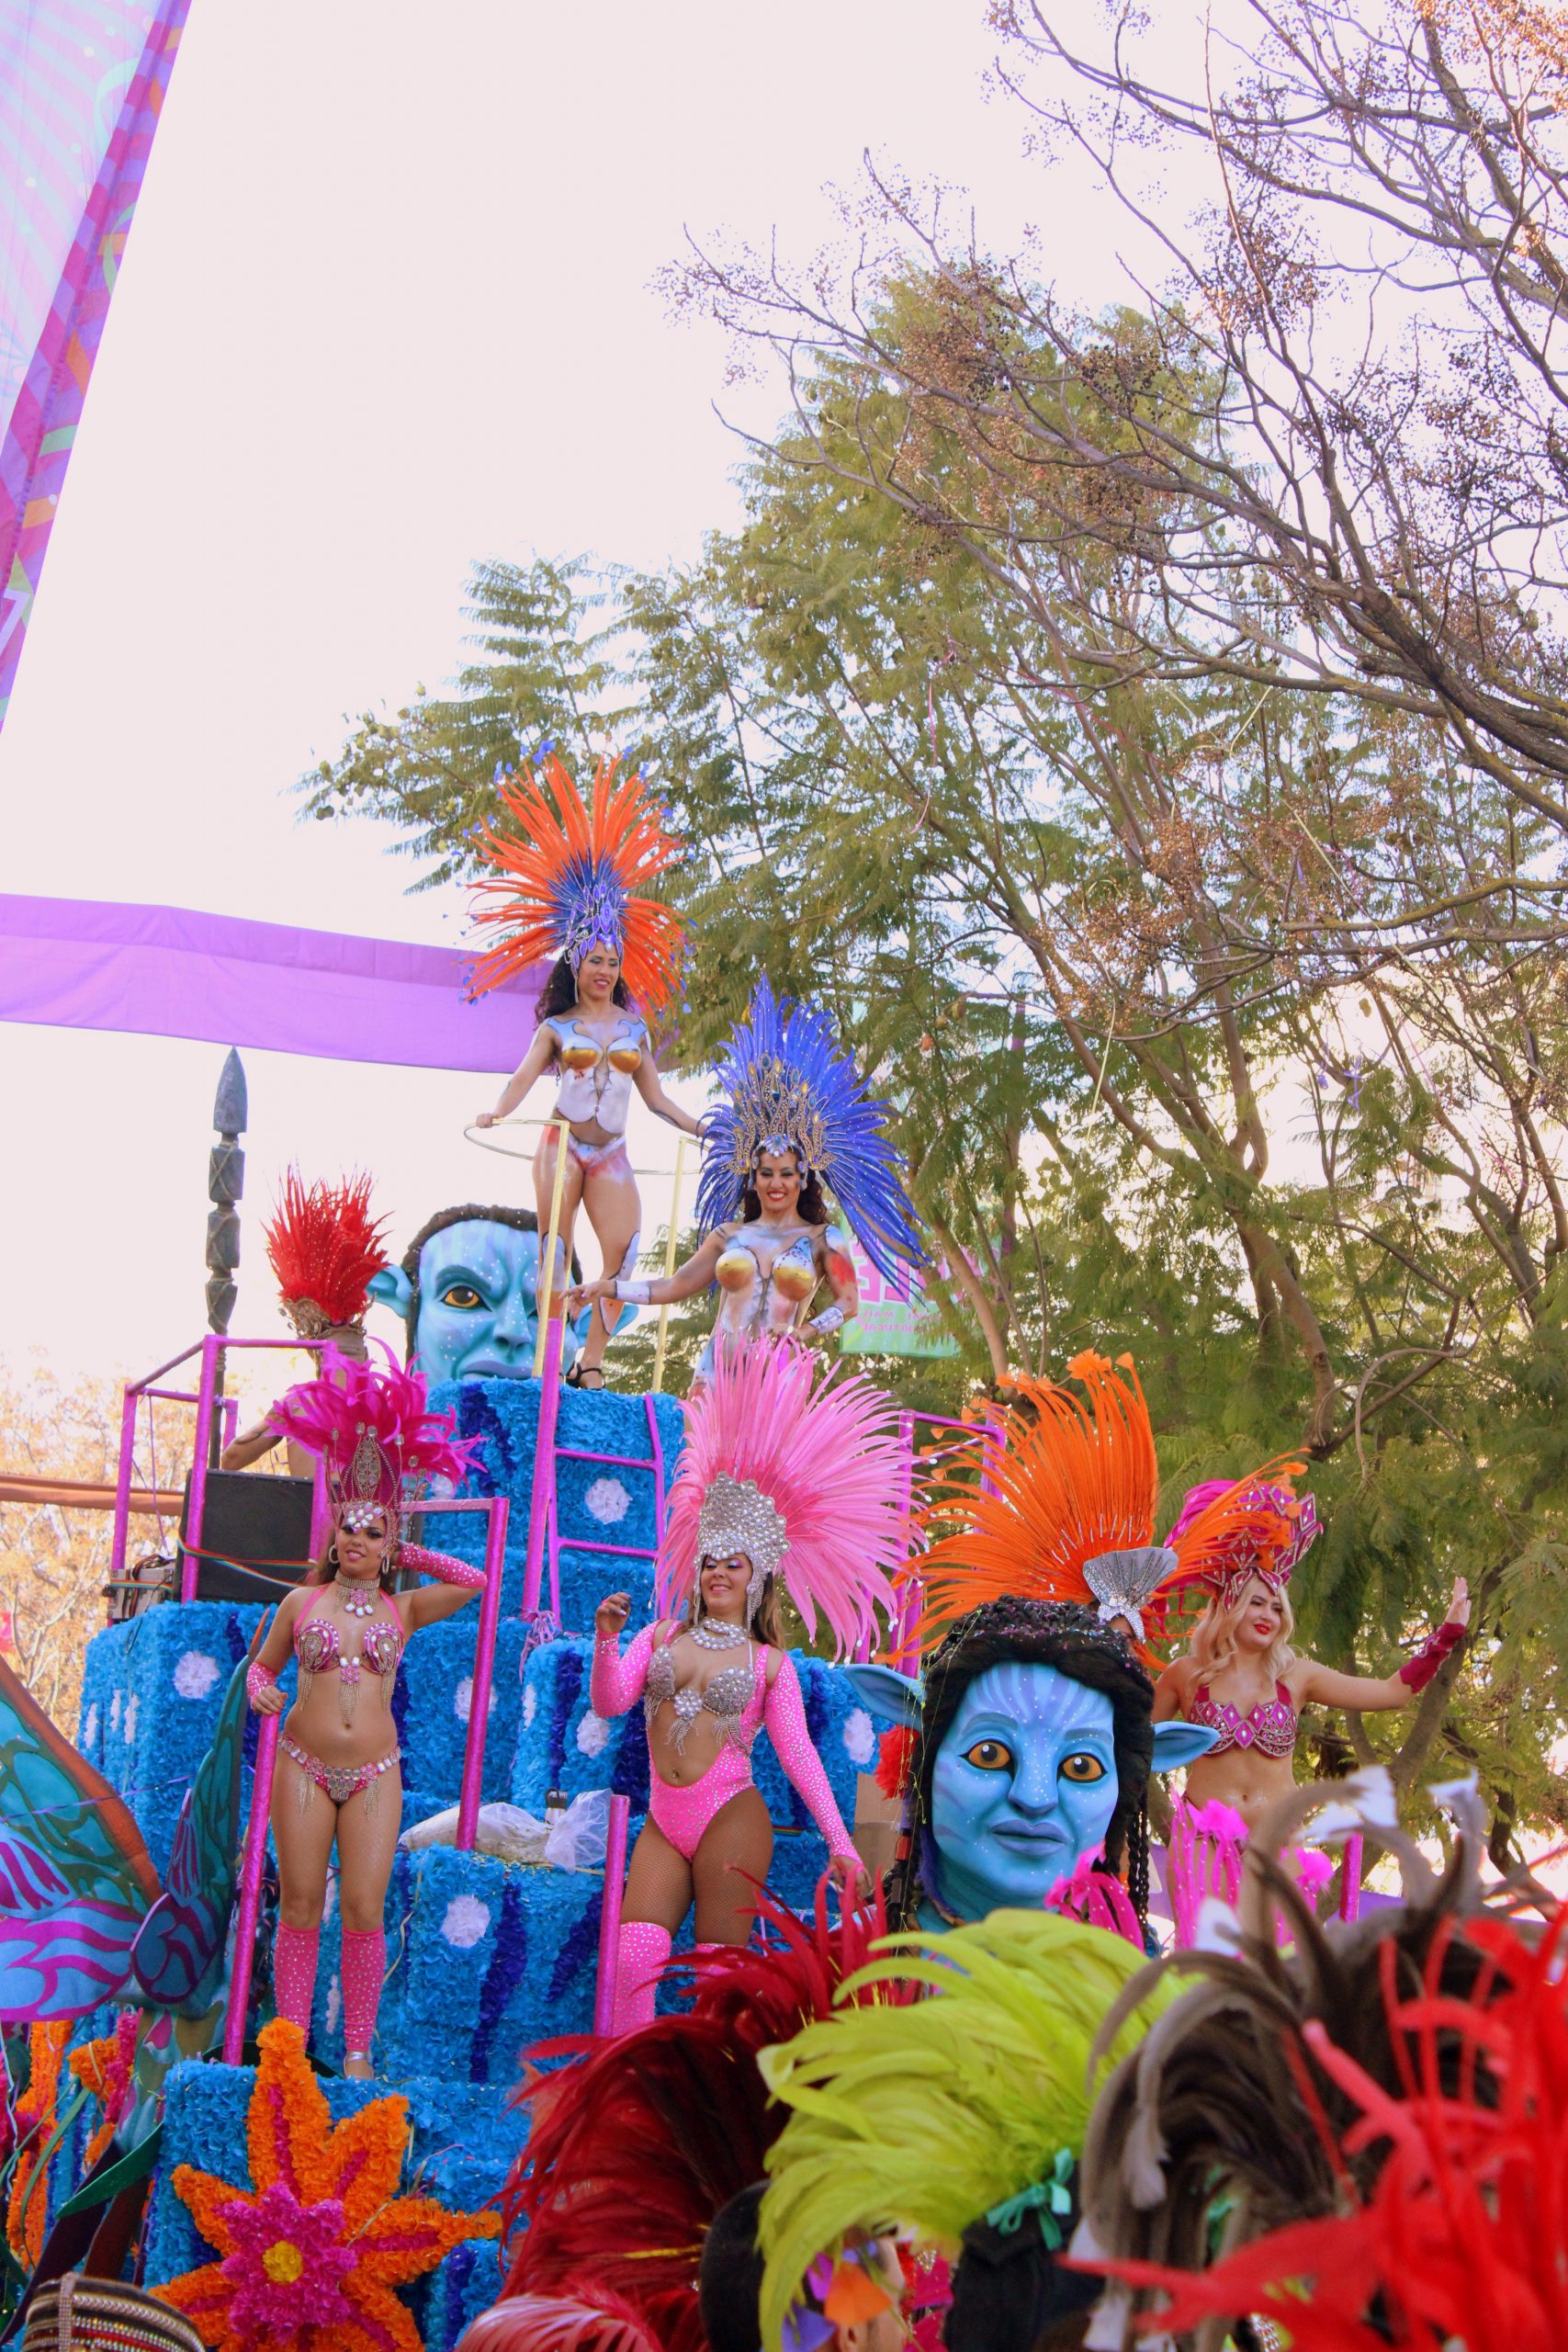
[
  {"x": 1082, "y": 1768},
  {"x": 990, "y": 1755},
  {"x": 461, "y": 1295}
]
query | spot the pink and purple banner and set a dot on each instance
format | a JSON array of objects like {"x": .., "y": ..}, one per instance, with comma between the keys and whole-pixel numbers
[
  {"x": 169, "y": 972},
  {"x": 81, "y": 85}
]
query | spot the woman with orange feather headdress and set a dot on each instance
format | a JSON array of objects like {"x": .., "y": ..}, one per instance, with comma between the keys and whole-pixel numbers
[{"x": 565, "y": 883}]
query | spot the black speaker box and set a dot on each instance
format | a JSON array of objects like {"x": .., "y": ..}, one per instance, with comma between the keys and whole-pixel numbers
[{"x": 255, "y": 1535}]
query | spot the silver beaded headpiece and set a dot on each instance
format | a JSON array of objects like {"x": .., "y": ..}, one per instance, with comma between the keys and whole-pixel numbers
[
  {"x": 737, "y": 1516},
  {"x": 1121, "y": 1581}
]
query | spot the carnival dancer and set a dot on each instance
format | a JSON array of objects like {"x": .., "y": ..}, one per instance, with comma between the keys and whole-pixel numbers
[
  {"x": 784, "y": 1477},
  {"x": 325, "y": 1250},
  {"x": 795, "y": 1123},
  {"x": 1239, "y": 1675},
  {"x": 338, "y": 1779},
  {"x": 566, "y": 883}
]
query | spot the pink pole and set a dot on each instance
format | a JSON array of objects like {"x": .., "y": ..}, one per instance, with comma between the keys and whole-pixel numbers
[
  {"x": 250, "y": 1890},
  {"x": 543, "y": 1493},
  {"x": 122, "y": 1483},
  {"x": 610, "y": 1914},
  {"x": 321, "y": 1515},
  {"x": 1350, "y": 1879},
  {"x": 206, "y": 1391},
  {"x": 485, "y": 1668}
]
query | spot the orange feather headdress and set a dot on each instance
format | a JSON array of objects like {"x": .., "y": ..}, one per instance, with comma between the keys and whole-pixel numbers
[
  {"x": 1063, "y": 1507},
  {"x": 568, "y": 878}
]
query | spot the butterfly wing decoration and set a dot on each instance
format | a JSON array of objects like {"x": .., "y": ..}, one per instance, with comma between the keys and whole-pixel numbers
[
  {"x": 178, "y": 1958},
  {"x": 76, "y": 1880}
]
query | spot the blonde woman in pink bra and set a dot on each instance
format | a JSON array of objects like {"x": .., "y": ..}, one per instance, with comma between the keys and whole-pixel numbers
[
  {"x": 338, "y": 1780},
  {"x": 1240, "y": 1677},
  {"x": 784, "y": 1477}
]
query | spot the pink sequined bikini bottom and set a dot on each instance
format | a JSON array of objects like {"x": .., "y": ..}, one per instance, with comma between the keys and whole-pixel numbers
[
  {"x": 684, "y": 1813},
  {"x": 338, "y": 1782}
]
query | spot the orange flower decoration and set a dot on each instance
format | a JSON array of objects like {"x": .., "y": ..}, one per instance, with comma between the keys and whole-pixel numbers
[
  {"x": 310, "y": 2256},
  {"x": 36, "y": 2119},
  {"x": 105, "y": 2067}
]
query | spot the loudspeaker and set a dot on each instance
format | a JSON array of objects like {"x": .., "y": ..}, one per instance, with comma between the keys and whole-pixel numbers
[{"x": 255, "y": 1535}]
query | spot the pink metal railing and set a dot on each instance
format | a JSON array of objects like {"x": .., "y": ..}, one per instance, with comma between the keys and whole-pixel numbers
[
  {"x": 610, "y": 1914},
  {"x": 497, "y": 1508},
  {"x": 544, "y": 1540}
]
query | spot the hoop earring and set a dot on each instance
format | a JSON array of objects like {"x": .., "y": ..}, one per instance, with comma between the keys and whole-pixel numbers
[{"x": 332, "y": 1561}]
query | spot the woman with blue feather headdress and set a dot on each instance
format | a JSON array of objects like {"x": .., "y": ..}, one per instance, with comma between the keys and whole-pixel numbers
[{"x": 794, "y": 1125}]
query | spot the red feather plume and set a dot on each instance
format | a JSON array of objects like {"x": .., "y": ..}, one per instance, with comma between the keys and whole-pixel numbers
[
  {"x": 556, "y": 2323},
  {"x": 323, "y": 1247},
  {"x": 1463, "y": 2238}
]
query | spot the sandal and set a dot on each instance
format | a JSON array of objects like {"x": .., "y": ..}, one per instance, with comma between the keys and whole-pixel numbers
[{"x": 589, "y": 1378}]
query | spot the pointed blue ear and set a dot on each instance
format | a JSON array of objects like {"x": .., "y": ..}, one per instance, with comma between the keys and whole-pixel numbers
[
  {"x": 890, "y": 1697},
  {"x": 393, "y": 1288},
  {"x": 1179, "y": 1744}
]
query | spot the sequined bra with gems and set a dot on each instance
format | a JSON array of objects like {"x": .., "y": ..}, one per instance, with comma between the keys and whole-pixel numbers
[
  {"x": 1269, "y": 1727},
  {"x": 725, "y": 1695},
  {"x": 317, "y": 1650}
]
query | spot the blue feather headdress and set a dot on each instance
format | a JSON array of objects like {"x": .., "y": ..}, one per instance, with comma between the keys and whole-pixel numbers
[{"x": 786, "y": 1084}]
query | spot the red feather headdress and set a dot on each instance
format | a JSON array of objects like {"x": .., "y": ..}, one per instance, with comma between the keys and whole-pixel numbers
[
  {"x": 570, "y": 878},
  {"x": 323, "y": 1247},
  {"x": 1063, "y": 1508}
]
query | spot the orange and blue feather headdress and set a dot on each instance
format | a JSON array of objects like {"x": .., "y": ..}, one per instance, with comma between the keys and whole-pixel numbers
[
  {"x": 786, "y": 1084},
  {"x": 568, "y": 876}
]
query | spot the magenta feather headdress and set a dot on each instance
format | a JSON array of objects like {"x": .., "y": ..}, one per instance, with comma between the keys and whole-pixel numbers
[
  {"x": 801, "y": 1474},
  {"x": 374, "y": 1431},
  {"x": 1297, "y": 1530}
]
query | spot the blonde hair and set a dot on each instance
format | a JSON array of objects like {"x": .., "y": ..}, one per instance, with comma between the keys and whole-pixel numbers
[{"x": 1214, "y": 1644}]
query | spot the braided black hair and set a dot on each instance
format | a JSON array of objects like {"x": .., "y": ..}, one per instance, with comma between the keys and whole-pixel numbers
[{"x": 1070, "y": 1637}]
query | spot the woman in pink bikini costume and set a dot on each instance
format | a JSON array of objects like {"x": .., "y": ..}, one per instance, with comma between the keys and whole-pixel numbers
[
  {"x": 338, "y": 1778},
  {"x": 1239, "y": 1675},
  {"x": 782, "y": 1475}
]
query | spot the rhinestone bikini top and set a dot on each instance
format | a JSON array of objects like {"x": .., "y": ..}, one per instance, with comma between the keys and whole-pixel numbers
[
  {"x": 317, "y": 1647},
  {"x": 1269, "y": 1727},
  {"x": 727, "y": 1695}
]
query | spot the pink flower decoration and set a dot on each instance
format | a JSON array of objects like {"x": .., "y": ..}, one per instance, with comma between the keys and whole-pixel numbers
[{"x": 285, "y": 2266}]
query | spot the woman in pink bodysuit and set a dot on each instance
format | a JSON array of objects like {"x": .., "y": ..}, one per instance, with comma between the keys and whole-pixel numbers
[
  {"x": 338, "y": 1779},
  {"x": 782, "y": 1475}
]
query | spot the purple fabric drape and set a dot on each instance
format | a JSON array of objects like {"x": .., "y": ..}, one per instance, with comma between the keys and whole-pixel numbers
[
  {"x": 167, "y": 972},
  {"x": 82, "y": 86}
]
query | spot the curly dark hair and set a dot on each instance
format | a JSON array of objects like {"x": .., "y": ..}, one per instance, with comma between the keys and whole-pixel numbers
[
  {"x": 560, "y": 991},
  {"x": 1070, "y": 1637}
]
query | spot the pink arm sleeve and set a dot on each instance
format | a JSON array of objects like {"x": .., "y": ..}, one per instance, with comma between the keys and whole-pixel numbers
[
  {"x": 440, "y": 1565},
  {"x": 785, "y": 1715},
  {"x": 617, "y": 1683}
]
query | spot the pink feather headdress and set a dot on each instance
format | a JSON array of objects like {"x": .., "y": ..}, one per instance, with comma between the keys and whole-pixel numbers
[
  {"x": 1228, "y": 1575},
  {"x": 801, "y": 1474},
  {"x": 374, "y": 1431}
]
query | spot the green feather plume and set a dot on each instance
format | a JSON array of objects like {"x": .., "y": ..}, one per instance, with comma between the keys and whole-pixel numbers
[{"x": 924, "y": 2116}]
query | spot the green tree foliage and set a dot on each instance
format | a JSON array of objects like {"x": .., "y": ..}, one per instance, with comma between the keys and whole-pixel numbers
[{"x": 1181, "y": 1066}]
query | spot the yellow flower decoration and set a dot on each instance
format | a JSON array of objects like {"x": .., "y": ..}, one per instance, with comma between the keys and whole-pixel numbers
[
  {"x": 310, "y": 2257},
  {"x": 36, "y": 2114}
]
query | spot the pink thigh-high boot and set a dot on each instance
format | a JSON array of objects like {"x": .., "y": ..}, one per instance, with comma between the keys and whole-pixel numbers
[
  {"x": 364, "y": 1969},
  {"x": 641, "y": 1952},
  {"x": 293, "y": 1953}
]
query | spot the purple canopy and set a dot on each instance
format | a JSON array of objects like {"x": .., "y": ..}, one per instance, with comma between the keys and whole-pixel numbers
[{"x": 167, "y": 972}]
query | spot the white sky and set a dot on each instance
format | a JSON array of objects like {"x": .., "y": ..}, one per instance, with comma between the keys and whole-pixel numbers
[{"x": 385, "y": 308}]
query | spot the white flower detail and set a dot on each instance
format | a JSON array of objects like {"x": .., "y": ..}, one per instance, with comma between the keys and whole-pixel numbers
[
  {"x": 334, "y": 2001},
  {"x": 195, "y": 1674},
  {"x": 114, "y": 1711},
  {"x": 592, "y": 1735},
  {"x": 90, "y": 1728},
  {"x": 467, "y": 1920},
  {"x": 463, "y": 1700},
  {"x": 860, "y": 1737},
  {"x": 530, "y": 1703},
  {"x": 132, "y": 1708},
  {"x": 607, "y": 1501}
]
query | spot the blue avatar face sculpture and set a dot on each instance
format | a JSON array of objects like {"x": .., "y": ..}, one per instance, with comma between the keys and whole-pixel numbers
[
  {"x": 1026, "y": 1779},
  {"x": 468, "y": 1292}
]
